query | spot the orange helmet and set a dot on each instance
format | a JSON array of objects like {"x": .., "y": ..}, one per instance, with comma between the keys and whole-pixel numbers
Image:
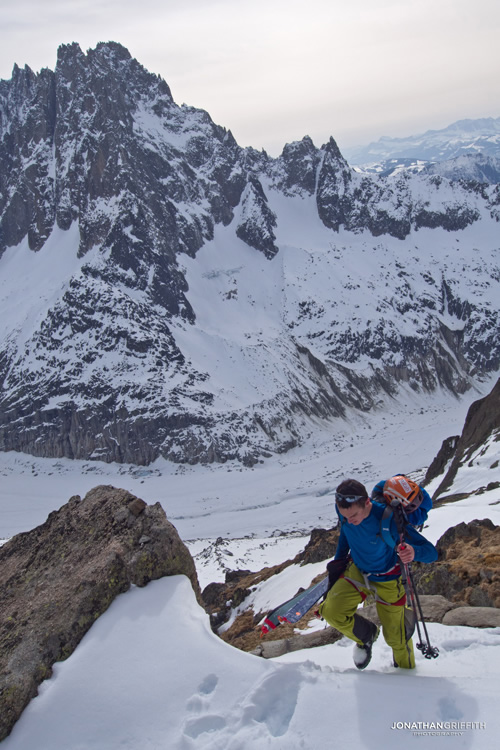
[{"x": 405, "y": 491}]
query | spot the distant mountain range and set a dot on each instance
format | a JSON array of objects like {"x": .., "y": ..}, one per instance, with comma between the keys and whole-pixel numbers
[
  {"x": 470, "y": 148},
  {"x": 166, "y": 292}
]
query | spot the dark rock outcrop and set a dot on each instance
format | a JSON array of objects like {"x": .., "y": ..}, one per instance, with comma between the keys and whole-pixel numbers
[
  {"x": 442, "y": 458},
  {"x": 467, "y": 571},
  {"x": 257, "y": 222},
  {"x": 321, "y": 546},
  {"x": 57, "y": 579},
  {"x": 220, "y": 598},
  {"x": 482, "y": 424},
  {"x": 299, "y": 161}
]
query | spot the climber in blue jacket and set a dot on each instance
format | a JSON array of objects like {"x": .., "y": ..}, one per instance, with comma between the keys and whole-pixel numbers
[{"x": 371, "y": 545}]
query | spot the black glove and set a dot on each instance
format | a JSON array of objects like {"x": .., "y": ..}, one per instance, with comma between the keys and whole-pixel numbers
[{"x": 335, "y": 569}]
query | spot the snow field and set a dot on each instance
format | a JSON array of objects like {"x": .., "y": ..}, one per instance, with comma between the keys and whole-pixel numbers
[{"x": 151, "y": 675}]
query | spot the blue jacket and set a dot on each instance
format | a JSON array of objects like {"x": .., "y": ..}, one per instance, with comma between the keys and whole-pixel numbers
[
  {"x": 371, "y": 552},
  {"x": 419, "y": 516}
]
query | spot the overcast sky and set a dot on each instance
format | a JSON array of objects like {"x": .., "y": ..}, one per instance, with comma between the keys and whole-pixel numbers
[{"x": 273, "y": 71}]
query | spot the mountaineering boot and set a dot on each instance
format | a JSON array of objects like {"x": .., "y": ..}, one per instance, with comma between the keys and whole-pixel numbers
[{"x": 367, "y": 632}]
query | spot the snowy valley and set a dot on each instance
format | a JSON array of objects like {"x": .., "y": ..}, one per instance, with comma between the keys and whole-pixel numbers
[{"x": 150, "y": 673}]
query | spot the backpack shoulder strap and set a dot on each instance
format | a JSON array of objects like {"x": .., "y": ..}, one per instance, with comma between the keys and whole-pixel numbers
[{"x": 385, "y": 522}]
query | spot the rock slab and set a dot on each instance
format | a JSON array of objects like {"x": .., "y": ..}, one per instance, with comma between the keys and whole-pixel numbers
[
  {"x": 473, "y": 617},
  {"x": 58, "y": 578}
]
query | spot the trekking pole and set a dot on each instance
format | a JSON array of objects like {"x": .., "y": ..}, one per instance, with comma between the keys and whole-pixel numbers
[
  {"x": 406, "y": 579},
  {"x": 430, "y": 652}
]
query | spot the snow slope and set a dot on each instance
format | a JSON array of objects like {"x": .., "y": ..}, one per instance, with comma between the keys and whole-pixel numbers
[{"x": 150, "y": 674}]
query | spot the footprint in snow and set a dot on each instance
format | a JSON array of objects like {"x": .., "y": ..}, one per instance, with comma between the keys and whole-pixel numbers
[
  {"x": 198, "y": 703},
  {"x": 208, "y": 684},
  {"x": 207, "y": 723},
  {"x": 275, "y": 701}
]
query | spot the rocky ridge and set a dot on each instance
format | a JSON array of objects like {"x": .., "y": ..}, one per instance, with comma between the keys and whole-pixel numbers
[
  {"x": 480, "y": 432},
  {"x": 130, "y": 194}
]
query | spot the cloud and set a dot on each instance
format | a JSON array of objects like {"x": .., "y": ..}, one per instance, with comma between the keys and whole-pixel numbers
[{"x": 274, "y": 70}]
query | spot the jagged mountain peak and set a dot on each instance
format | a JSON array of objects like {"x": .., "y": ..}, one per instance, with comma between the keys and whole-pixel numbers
[
  {"x": 331, "y": 148},
  {"x": 203, "y": 301},
  {"x": 111, "y": 50},
  {"x": 305, "y": 145},
  {"x": 109, "y": 54}
]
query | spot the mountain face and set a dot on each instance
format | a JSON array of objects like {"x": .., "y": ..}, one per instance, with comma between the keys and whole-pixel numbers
[
  {"x": 165, "y": 292},
  {"x": 471, "y": 149},
  {"x": 474, "y": 447}
]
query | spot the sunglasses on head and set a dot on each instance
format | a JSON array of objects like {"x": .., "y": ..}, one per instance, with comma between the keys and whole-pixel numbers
[{"x": 348, "y": 498}]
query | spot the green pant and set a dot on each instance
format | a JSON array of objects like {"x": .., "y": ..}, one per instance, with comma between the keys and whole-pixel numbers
[{"x": 343, "y": 599}]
